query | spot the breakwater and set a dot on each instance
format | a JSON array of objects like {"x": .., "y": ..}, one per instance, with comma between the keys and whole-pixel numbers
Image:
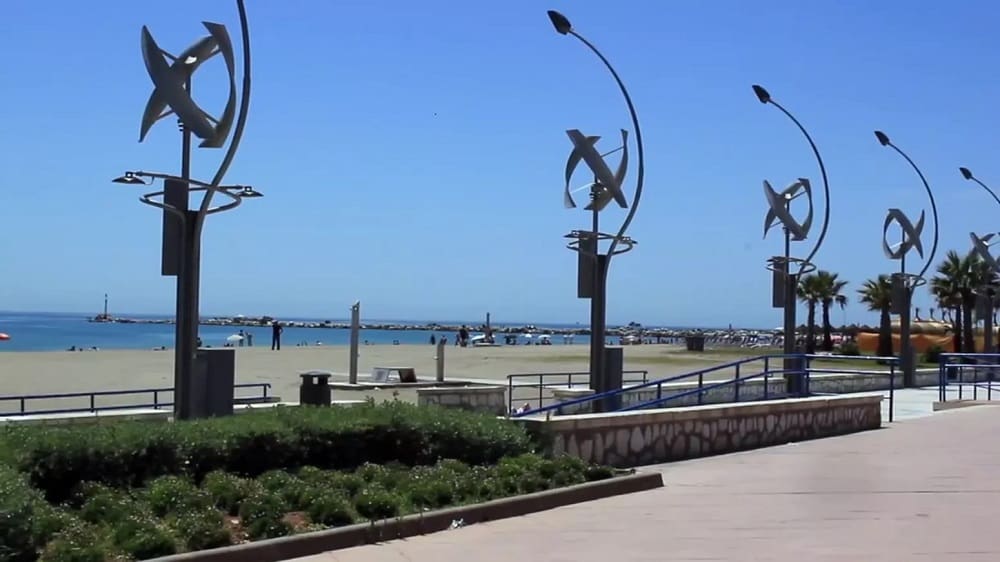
[{"x": 265, "y": 321}]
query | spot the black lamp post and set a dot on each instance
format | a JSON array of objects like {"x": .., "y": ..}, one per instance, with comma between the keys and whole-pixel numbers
[
  {"x": 593, "y": 264},
  {"x": 986, "y": 292},
  {"x": 904, "y": 283},
  {"x": 182, "y": 226},
  {"x": 785, "y": 280}
]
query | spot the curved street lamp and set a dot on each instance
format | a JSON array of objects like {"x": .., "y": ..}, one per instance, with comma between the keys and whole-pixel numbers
[
  {"x": 981, "y": 247},
  {"x": 182, "y": 226},
  {"x": 785, "y": 282},
  {"x": 904, "y": 283},
  {"x": 593, "y": 265}
]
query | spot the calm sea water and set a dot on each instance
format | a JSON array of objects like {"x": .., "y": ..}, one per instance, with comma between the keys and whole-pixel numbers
[{"x": 54, "y": 331}]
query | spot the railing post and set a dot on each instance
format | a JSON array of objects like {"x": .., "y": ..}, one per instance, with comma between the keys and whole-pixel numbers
[
  {"x": 22, "y": 405},
  {"x": 510, "y": 394},
  {"x": 701, "y": 384},
  {"x": 736, "y": 384},
  {"x": 156, "y": 399},
  {"x": 540, "y": 394},
  {"x": 91, "y": 402},
  {"x": 892, "y": 389},
  {"x": 767, "y": 382}
]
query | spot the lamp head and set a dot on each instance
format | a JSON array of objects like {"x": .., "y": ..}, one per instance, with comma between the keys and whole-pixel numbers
[
  {"x": 560, "y": 22},
  {"x": 883, "y": 139},
  {"x": 247, "y": 191},
  {"x": 762, "y": 94},
  {"x": 130, "y": 178},
  {"x": 966, "y": 173}
]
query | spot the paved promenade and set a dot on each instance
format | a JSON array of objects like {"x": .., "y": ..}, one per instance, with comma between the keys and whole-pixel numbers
[{"x": 923, "y": 489}]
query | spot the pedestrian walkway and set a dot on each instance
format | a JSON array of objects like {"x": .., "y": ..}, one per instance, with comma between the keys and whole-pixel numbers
[{"x": 923, "y": 489}]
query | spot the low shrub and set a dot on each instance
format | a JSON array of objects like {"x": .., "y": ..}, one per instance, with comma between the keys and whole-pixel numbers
[
  {"x": 171, "y": 494},
  {"x": 79, "y": 543},
  {"x": 374, "y": 504},
  {"x": 228, "y": 491},
  {"x": 106, "y": 505},
  {"x": 933, "y": 354},
  {"x": 129, "y": 454},
  {"x": 849, "y": 348},
  {"x": 201, "y": 529},
  {"x": 263, "y": 516},
  {"x": 17, "y": 503},
  {"x": 331, "y": 509},
  {"x": 142, "y": 537}
]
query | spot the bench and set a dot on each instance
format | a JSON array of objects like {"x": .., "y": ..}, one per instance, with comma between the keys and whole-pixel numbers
[{"x": 402, "y": 374}]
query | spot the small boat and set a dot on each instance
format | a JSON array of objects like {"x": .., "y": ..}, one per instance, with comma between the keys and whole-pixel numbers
[{"x": 4, "y": 337}]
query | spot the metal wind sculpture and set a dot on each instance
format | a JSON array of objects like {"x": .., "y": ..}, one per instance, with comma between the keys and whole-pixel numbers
[
  {"x": 606, "y": 187},
  {"x": 903, "y": 283},
  {"x": 981, "y": 247},
  {"x": 787, "y": 269},
  {"x": 182, "y": 225}
]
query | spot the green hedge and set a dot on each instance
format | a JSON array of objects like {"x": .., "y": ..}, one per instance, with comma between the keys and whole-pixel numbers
[
  {"x": 174, "y": 514},
  {"x": 128, "y": 454}
]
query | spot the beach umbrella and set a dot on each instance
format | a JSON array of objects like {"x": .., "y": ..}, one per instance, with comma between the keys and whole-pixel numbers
[
  {"x": 234, "y": 338},
  {"x": 4, "y": 337}
]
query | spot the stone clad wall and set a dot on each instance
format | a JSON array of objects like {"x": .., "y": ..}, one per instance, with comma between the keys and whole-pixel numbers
[
  {"x": 640, "y": 437},
  {"x": 751, "y": 390},
  {"x": 488, "y": 399}
]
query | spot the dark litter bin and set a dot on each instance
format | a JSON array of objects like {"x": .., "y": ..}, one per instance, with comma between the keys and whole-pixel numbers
[
  {"x": 695, "y": 343},
  {"x": 315, "y": 388}
]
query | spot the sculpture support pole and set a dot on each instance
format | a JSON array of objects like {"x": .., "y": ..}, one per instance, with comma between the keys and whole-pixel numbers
[
  {"x": 598, "y": 299},
  {"x": 905, "y": 345},
  {"x": 185, "y": 341},
  {"x": 355, "y": 336},
  {"x": 790, "y": 365},
  {"x": 988, "y": 325}
]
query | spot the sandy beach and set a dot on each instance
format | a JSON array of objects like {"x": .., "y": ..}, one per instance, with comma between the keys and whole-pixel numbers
[{"x": 67, "y": 371}]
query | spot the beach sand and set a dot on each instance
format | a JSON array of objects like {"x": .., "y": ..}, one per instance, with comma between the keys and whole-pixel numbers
[{"x": 66, "y": 371}]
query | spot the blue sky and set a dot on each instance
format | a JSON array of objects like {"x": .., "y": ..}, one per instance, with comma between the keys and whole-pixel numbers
[{"x": 412, "y": 153}]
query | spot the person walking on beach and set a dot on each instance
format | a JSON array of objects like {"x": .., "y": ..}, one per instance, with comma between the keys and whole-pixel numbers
[
  {"x": 276, "y": 330},
  {"x": 249, "y": 337},
  {"x": 243, "y": 338}
]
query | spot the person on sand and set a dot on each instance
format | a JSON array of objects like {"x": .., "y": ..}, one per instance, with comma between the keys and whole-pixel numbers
[{"x": 276, "y": 330}]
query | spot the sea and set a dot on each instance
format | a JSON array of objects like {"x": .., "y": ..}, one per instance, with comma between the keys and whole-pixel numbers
[{"x": 50, "y": 331}]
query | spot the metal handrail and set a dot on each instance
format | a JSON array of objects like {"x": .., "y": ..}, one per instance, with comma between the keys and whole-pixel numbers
[
  {"x": 702, "y": 389},
  {"x": 541, "y": 385},
  {"x": 658, "y": 382},
  {"x": 156, "y": 404},
  {"x": 946, "y": 362}
]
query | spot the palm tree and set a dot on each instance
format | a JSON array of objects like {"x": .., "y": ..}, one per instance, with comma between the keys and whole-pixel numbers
[
  {"x": 954, "y": 286},
  {"x": 877, "y": 295},
  {"x": 810, "y": 291},
  {"x": 832, "y": 288}
]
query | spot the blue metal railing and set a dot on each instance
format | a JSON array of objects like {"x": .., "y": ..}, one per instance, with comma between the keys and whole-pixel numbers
[
  {"x": 613, "y": 395},
  {"x": 611, "y": 400},
  {"x": 556, "y": 380},
  {"x": 953, "y": 371},
  {"x": 157, "y": 403},
  {"x": 892, "y": 362}
]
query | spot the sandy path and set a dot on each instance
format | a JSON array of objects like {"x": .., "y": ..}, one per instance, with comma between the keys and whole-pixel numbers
[{"x": 65, "y": 371}]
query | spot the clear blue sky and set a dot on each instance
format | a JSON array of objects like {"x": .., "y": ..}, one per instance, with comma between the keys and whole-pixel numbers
[{"x": 412, "y": 152}]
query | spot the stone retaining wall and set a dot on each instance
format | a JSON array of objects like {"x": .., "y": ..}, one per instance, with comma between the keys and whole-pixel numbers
[
  {"x": 751, "y": 390},
  {"x": 488, "y": 399},
  {"x": 624, "y": 439}
]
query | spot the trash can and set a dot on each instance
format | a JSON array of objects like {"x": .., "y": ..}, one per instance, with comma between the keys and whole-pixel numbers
[
  {"x": 315, "y": 388},
  {"x": 695, "y": 343}
]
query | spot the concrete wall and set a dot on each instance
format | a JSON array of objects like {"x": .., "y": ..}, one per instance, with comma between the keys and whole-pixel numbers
[
  {"x": 652, "y": 436},
  {"x": 488, "y": 399},
  {"x": 832, "y": 383}
]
